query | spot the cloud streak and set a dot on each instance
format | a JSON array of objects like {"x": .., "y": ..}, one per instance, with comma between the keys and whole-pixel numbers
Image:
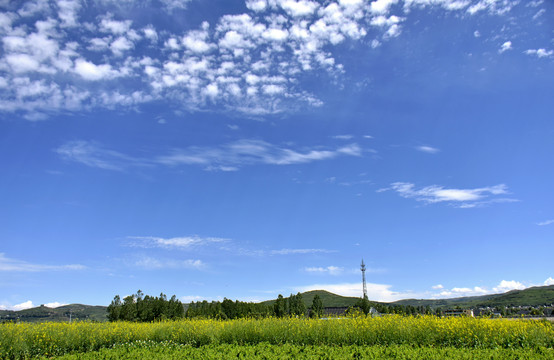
[
  {"x": 13, "y": 265},
  {"x": 227, "y": 157},
  {"x": 186, "y": 242},
  {"x": 463, "y": 198}
]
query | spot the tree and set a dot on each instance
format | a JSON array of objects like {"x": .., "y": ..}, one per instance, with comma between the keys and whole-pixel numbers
[
  {"x": 114, "y": 309},
  {"x": 317, "y": 307},
  {"x": 279, "y": 308}
]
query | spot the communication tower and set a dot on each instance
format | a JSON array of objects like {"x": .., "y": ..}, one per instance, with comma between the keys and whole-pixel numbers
[{"x": 362, "y": 267}]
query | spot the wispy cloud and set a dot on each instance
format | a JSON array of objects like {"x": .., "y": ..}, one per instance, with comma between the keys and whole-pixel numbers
[
  {"x": 13, "y": 265},
  {"x": 228, "y": 157},
  {"x": 540, "y": 53},
  {"x": 300, "y": 251},
  {"x": 463, "y": 198},
  {"x": 250, "y": 152},
  {"x": 343, "y": 137},
  {"x": 185, "y": 242},
  {"x": 152, "y": 263},
  {"x": 427, "y": 149},
  {"x": 94, "y": 155},
  {"x": 547, "y": 222},
  {"x": 330, "y": 270}
]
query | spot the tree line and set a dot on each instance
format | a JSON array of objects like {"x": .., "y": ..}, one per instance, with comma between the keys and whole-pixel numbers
[
  {"x": 228, "y": 309},
  {"x": 138, "y": 307}
]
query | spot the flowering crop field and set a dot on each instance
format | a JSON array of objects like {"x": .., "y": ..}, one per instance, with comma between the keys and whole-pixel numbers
[{"x": 436, "y": 335}]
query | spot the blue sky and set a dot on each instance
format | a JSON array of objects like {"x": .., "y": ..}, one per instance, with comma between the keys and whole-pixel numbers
[{"x": 242, "y": 149}]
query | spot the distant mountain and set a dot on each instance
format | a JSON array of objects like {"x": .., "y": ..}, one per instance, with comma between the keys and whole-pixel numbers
[
  {"x": 534, "y": 296},
  {"x": 62, "y": 313},
  {"x": 328, "y": 299}
]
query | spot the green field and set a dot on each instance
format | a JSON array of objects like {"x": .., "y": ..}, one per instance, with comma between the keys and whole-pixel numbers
[
  {"x": 404, "y": 337},
  {"x": 170, "y": 351}
]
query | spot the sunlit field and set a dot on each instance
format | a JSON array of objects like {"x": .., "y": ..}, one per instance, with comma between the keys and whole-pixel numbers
[{"x": 361, "y": 337}]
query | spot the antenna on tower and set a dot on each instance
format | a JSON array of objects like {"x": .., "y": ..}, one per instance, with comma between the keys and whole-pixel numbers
[{"x": 362, "y": 267}]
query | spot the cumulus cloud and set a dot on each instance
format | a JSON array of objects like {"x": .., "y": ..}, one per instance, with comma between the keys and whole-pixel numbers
[
  {"x": 507, "y": 285},
  {"x": 505, "y": 47},
  {"x": 464, "y": 198},
  {"x": 549, "y": 281},
  {"x": 14, "y": 265},
  {"x": 23, "y": 306},
  {"x": 276, "y": 42}
]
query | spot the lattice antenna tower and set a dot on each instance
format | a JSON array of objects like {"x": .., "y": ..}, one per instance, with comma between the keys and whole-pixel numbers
[{"x": 362, "y": 267}]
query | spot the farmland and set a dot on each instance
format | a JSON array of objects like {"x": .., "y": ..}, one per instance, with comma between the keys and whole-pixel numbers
[{"x": 362, "y": 337}]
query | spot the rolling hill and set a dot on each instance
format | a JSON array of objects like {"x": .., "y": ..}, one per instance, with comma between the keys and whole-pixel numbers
[
  {"x": 62, "y": 313},
  {"x": 534, "y": 296}
]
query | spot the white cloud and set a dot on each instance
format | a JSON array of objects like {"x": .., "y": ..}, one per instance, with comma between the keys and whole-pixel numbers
[
  {"x": 507, "y": 285},
  {"x": 300, "y": 251},
  {"x": 437, "y": 287},
  {"x": 184, "y": 242},
  {"x": 151, "y": 263},
  {"x": 464, "y": 198},
  {"x": 331, "y": 270},
  {"x": 290, "y": 39},
  {"x": 547, "y": 222},
  {"x": 190, "y": 298},
  {"x": 90, "y": 71},
  {"x": 23, "y": 306},
  {"x": 68, "y": 11},
  {"x": 229, "y": 156},
  {"x": 171, "y": 5},
  {"x": 381, "y": 6},
  {"x": 55, "y": 304},
  {"x": 120, "y": 45},
  {"x": 21, "y": 63},
  {"x": 115, "y": 27},
  {"x": 375, "y": 292},
  {"x": 249, "y": 152},
  {"x": 502, "y": 287},
  {"x": 427, "y": 149},
  {"x": 343, "y": 137},
  {"x": 13, "y": 265},
  {"x": 300, "y": 8},
  {"x": 540, "y": 53},
  {"x": 505, "y": 47},
  {"x": 93, "y": 155}
]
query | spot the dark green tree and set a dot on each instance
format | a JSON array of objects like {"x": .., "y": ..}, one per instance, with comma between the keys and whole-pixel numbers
[
  {"x": 279, "y": 308},
  {"x": 114, "y": 309},
  {"x": 317, "y": 307}
]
